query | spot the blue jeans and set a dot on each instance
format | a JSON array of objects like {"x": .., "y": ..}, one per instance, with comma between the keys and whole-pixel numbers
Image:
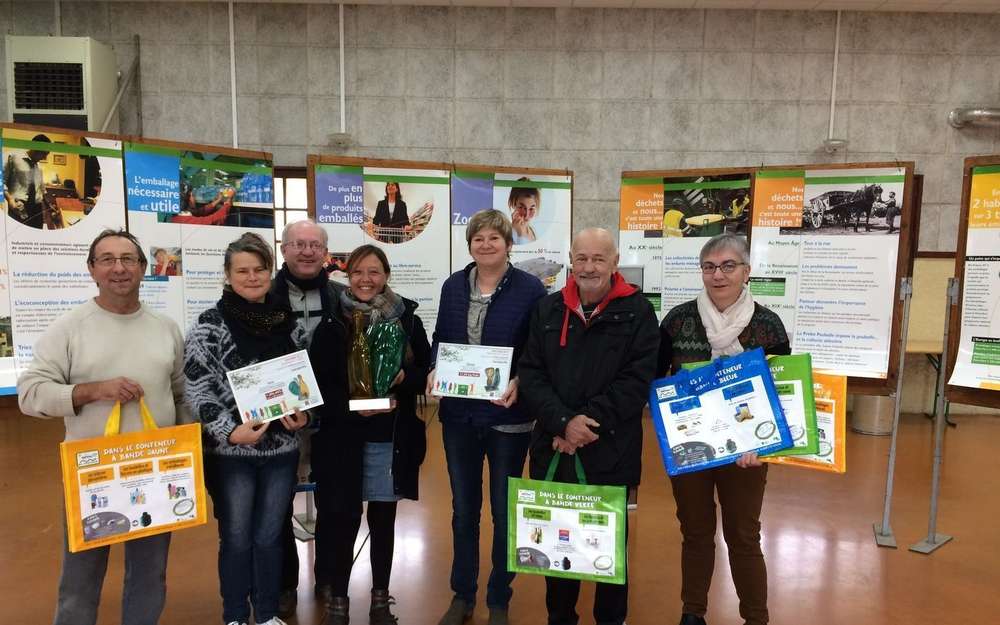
[
  {"x": 251, "y": 496},
  {"x": 465, "y": 447},
  {"x": 145, "y": 587}
]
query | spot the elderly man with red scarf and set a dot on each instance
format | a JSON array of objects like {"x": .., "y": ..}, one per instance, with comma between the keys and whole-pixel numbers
[{"x": 585, "y": 374}]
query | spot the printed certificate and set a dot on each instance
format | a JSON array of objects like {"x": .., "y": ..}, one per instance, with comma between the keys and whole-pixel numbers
[
  {"x": 269, "y": 390},
  {"x": 472, "y": 371}
]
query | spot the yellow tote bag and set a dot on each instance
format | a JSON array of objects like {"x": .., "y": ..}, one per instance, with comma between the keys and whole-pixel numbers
[{"x": 124, "y": 486}]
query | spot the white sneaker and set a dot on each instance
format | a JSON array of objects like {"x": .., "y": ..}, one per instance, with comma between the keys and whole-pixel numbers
[
  {"x": 235, "y": 623},
  {"x": 274, "y": 620}
]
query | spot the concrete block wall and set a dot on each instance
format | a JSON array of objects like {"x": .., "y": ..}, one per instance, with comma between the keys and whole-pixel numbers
[{"x": 594, "y": 90}]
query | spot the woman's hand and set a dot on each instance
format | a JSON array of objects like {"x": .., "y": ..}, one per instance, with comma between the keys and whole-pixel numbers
[
  {"x": 509, "y": 396},
  {"x": 295, "y": 421},
  {"x": 748, "y": 460},
  {"x": 518, "y": 223},
  {"x": 248, "y": 433},
  {"x": 398, "y": 379},
  {"x": 430, "y": 383}
]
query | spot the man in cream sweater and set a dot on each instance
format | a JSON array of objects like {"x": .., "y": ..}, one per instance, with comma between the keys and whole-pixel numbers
[{"x": 111, "y": 348}]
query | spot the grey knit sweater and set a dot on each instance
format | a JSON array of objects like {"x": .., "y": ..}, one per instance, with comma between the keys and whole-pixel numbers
[{"x": 209, "y": 352}]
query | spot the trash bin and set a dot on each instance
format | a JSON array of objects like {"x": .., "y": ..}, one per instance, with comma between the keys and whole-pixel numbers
[{"x": 872, "y": 414}]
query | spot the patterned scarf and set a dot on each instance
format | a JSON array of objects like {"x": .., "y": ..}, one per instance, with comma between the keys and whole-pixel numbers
[{"x": 385, "y": 306}]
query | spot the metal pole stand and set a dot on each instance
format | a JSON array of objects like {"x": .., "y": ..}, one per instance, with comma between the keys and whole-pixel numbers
[
  {"x": 306, "y": 529},
  {"x": 307, "y": 520},
  {"x": 883, "y": 531},
  {"x": 935, "y": 540}
]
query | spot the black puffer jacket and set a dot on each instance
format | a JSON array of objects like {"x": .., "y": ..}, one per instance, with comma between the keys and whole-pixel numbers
[
  {"x": 338, "y": 447},
  {"x": 601, "y": 369}
]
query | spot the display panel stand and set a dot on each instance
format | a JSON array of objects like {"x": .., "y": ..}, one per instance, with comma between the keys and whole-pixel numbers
[
  {"x": 883, "y": 531},
  {"x": 935, "y": 540}
]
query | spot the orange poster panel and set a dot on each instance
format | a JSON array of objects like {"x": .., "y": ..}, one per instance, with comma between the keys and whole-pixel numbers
[
  {"x": 777, "y": 199},
  {"x": 641, "y": 206}
]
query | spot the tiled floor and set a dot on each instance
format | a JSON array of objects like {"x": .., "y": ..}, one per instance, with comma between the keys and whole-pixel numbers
[{"x": 823, "y": 564}]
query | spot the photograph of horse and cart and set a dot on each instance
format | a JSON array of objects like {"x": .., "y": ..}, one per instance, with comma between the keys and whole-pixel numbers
[{"x": 852, "y": 208}]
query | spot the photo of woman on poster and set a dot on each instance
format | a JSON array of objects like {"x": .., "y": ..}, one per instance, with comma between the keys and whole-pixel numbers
[
  {"x": 391, "y": 220},
  {"x": 391, "y": 210},
  {"x": 524, "y": 204}
]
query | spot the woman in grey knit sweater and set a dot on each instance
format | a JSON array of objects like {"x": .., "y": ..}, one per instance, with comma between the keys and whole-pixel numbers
[{"x": 250, "y": 468}]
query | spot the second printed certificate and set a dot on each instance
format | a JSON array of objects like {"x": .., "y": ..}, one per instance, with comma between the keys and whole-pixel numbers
[
  {"x": 271, "y": 389},
  {"x": 472, "y": 371}
]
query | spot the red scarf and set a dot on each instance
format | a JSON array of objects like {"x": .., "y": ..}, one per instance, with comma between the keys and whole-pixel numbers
[{"x": 571, "y": 299}]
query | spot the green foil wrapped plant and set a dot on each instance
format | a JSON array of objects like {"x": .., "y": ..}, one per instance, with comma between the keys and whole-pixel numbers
[{"x": 386, "y": 342}]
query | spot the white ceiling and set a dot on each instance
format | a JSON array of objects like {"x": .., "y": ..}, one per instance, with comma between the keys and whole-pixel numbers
[{"x": 937, "y": 6}]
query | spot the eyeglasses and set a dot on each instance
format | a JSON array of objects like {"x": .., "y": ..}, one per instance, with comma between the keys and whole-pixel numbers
[
  {"x": 129, "y": 261},
  {"x": 726, "y": 267},
  {"x": 304, "y": 245}
]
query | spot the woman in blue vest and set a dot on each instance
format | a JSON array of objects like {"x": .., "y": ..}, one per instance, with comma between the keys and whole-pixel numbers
[{"x": 487, "y": 303}]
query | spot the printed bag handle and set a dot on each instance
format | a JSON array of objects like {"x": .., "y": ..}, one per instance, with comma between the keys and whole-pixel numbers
[
  {"x": 113, "y": 425},
  {"x": 551, "y": 473}
]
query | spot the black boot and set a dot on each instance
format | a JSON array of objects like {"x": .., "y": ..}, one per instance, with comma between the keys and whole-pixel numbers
[
  {"x": 691, "y": 619},
  {"x": 288, "y": 601},
  {"x": 324, "y": 592},
  {"x": 338, "y": 611},
  {"x": 379, "y": 613}
]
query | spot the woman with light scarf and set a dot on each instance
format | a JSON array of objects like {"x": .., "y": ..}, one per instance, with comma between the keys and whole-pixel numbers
[
  {"x": 365, "y": 456},
  {"x": 722, "y": 321}
]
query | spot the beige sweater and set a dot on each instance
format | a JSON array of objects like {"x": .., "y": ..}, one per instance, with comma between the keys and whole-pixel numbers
[{"x": 90, "y": 344}]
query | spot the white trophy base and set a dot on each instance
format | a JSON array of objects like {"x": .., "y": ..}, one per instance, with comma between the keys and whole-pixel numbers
[{"x": 382, "y": 403}]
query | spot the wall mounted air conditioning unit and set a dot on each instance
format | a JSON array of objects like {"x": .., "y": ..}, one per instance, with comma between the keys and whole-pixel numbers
[{"x": 67, "y": 82}]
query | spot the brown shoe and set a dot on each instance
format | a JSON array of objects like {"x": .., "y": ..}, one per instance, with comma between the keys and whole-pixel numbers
[
  {"x": 458, "y": 613},
  {"x": 379, "y": 613},
  {"x": 498, "y": 616},
  {"x": 337, "y": 612}
]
